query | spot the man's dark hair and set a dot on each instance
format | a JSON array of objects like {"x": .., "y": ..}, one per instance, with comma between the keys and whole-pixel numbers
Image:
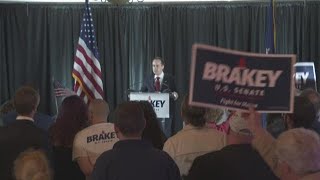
[
  {"x": 191, "y": 114},
  {"x": 304, "y": 113},
  {"x": 160, "y": 59},
  {"x": 26, "y": 99},
  {"x": 313, "y": 96},
  {"x": 129, "y": 118}
]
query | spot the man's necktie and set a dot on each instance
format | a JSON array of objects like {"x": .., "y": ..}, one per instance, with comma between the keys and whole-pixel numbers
[{"x": 157, "y": 84}]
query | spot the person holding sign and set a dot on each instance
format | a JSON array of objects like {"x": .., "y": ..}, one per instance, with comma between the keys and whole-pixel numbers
[{"x": 303, "y": 116}]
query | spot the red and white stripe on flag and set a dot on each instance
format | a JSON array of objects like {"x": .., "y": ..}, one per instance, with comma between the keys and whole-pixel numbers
[{"x": 86, "y": 67}]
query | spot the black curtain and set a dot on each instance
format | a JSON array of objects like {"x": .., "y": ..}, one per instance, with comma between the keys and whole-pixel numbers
[{"x": 38, "y": 41}]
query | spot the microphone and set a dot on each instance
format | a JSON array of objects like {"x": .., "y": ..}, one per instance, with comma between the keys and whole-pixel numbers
[
  {"x": 126, "y": 92},
  {"x": 168, "y": 87}
]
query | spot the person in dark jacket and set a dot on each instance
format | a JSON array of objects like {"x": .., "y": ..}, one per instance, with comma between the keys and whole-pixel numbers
[
  {"x": 22, "y": 133},
  {"x": 236, "y": 161},
  {"x": 132, "y": 157}
]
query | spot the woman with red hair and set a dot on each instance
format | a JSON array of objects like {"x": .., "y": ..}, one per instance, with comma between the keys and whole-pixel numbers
[{"x": 72, "y": 118}]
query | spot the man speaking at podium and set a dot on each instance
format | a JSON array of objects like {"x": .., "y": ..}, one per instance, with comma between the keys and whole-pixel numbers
[{"x": 164, "y": 83}]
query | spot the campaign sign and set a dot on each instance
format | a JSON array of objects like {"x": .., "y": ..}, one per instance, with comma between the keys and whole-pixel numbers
[
  {"x": 305, "y": 76},
  {"x": 237, "y": 80},
  {"x": 159, "y": 101}
]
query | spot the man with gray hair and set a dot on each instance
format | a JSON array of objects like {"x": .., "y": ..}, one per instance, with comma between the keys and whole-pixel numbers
[
  {"x": 271, "y": 149},
  {"x": 298, "y": 154},
  {"x": 238, "y": 160}
]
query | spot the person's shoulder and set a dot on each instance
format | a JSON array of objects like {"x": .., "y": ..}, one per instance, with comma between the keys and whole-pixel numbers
[
  {"x": 162, "y": 155},
  {"x": 214, "y": 131},
  {"x": 209, "y": 158},
  {"x": 39, "y": 130},
  {"x": 9, "y": 117},
  {"x": 106, "y": 156},
  {"x": 171, "y": 140},
  {"x": 108, "y": 127},
  {"x": 80, "y": 134},
  {"x": 168, "y": 75}
]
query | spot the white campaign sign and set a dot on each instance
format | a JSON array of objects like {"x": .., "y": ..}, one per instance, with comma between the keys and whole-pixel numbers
[{"x": 159, "y": 101}]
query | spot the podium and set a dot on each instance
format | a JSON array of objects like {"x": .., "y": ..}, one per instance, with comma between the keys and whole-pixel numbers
[{"x": 159, "y": 101}]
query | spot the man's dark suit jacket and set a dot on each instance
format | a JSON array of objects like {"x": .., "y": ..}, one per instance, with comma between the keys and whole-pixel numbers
[
  {"x": 41, "y": 120},
  {"x": 16, "y": 138},
  {"x": 167, "y": 84}
]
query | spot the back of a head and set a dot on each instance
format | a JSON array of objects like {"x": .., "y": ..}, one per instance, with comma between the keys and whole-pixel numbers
[
  {"x": 300, "y": 149},
  {"x": 313, "y": 96},
  {"x": 214, "y": 115},
  {"x": 304, "y": 113},
  {"x": 32, "y": 165},
  {"x": 152, "y": 131},
  {"x": 239, "y": 125},
  {"x": 239, "y": 132},
  {"x": 98, "y": 110},
  {"x": 191, "y": 114},
  {"x": 129, "y": 119},
  {"x": 72, "y": 117},
  {"x": 26, "y": 100}
]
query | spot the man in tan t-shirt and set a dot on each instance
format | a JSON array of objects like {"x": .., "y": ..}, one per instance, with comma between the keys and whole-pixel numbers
[
  {"x": 195, "y": 139},
  {"x": 95, "y": 139}
]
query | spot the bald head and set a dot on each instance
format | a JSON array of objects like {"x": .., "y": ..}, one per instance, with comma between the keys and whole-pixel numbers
[{"x": 98, "y": 111}]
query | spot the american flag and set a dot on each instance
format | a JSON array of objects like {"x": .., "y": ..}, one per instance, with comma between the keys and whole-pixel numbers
[{"x": 86, "y": 68}]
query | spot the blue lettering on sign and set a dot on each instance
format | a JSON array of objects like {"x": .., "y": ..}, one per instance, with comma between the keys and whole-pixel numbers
[
  {"x": 157, "y": 103},
  {"x": 102, "y": 136}
]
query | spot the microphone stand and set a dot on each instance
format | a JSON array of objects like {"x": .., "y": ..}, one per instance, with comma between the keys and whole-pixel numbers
[
  {"x": 130, "y": 90},
  {"x": 173, "y": 94}
]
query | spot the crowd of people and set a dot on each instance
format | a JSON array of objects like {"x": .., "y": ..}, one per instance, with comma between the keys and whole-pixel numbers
[{"x": 79, "y": 143}]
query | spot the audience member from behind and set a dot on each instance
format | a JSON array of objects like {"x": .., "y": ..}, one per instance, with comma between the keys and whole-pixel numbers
[
  {"x": 72, "y": 118},
  {"x": 22, "y": 133},
  {"x": 303, "y": 116},
  {"x": 236, "y": 161},
  {"x": 195, "y": 139},
  {"x": 131, "y": 157},
  {"x": 6, "y": 108},
  {"x": 314, "y": 97},
  {"x": 41, "y": 120},
  {"x": 152, "y": 132},
  {"x": 298, "y": 154},
  {"x": 275, "y": 124},
  {"x": 32, "y": 165},
  {"x": 92, "y": 141},
  {"x": 218, "y": 119}
]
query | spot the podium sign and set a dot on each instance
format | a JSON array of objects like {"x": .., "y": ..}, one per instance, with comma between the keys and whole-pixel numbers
[{"x": 159, "y": 101}]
